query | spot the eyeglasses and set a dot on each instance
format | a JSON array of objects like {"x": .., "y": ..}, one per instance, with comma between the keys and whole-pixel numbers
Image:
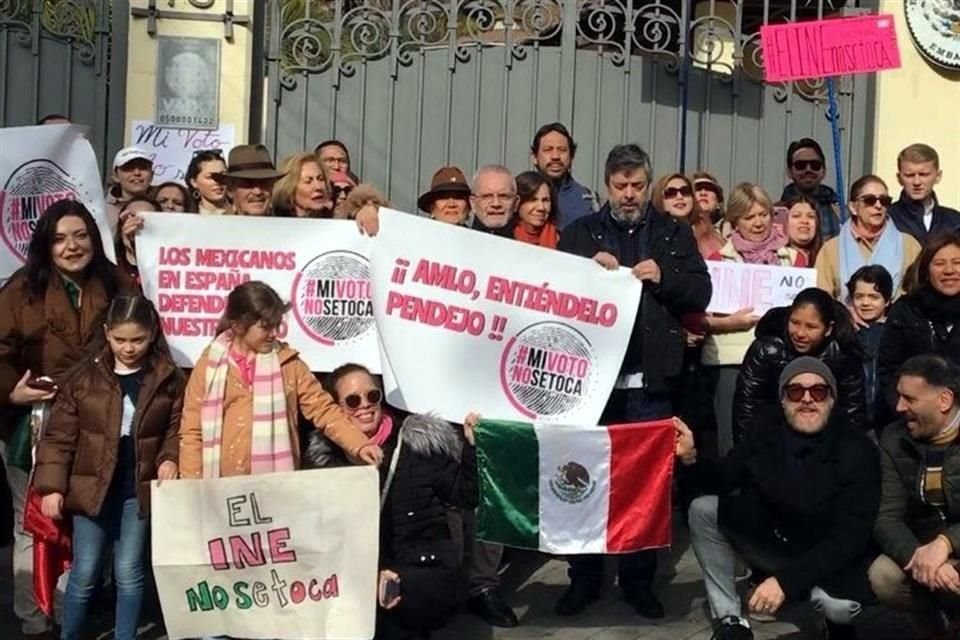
[
  {"x": 870, "y": 200},
  {"x": 673, "y": 192},
  {"x": 354, "y": 400},
  {"x": 803, "y": 165},
  {"x": 490, "y": 197},
  {"x": 796, "y": 392},
  {"x": 706, "y": 185}
]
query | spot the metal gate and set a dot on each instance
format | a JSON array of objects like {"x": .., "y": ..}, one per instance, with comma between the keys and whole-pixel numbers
[
  {"x": 69, "y": 58},
  {"x": 410, "y": 85}
]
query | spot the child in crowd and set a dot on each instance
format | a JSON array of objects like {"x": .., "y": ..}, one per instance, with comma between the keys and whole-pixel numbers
[
  {"x": 870, "y": 291},
  {"x": 112, "y": 430}
]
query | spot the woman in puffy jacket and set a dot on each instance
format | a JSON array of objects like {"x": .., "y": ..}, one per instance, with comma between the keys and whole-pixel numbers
[
  {"x": 427, "y": 465},
  {"x": 814, "y": 325}
]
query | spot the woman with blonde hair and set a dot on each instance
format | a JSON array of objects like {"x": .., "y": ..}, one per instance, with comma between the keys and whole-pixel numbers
[
  {"x": 754, "y": 240},
  {"x": 304, "y": 191},
  {"x": 674, "y": 195}
]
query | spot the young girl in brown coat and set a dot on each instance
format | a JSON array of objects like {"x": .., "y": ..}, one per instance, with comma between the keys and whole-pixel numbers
[
  {"x": 112, "y": 430},
  {"x": 245, "y": 394}
]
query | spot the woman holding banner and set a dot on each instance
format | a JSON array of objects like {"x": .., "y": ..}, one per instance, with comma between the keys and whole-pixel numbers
[
  {"x": 868, "y": 237},
  {"x": 814, "y": 325},
  {"x": 304, "y": 191},
  {"x": 49, "y": 311},
  {"x": 754, "y": 240},
  {"x": 430, "y": 467},
  {"x": 247, "y": 392},
  {"x": 112, "y": 431}
]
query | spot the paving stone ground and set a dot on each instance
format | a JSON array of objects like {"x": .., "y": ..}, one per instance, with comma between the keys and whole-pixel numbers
[{"x": 533, "y": 583}]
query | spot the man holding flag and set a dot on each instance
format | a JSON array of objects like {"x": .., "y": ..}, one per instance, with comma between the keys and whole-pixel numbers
[{"x": 662, "y": 253}]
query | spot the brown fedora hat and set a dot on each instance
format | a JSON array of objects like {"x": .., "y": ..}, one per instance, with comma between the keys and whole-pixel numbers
[
  {"x": 251, "y": 161},
  {"x": 446, "y": 181}
]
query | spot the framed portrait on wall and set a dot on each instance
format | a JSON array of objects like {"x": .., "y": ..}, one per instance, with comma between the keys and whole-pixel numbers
[{"x": 188, "y": 82}]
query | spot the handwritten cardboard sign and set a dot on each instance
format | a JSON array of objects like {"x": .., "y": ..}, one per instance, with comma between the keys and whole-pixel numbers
[
  {"x": 172, "y": 149},
  {"x": 506, "y": 329},
  {"x": 279, "y": 555},
  {"x": 737, "y": 286},
  {"x": 833, "y": 47},
  {"x": 189, "y": 264}
]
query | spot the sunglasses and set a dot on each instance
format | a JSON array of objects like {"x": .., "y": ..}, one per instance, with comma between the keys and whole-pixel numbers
[
  {"x": 218, "y": 152},
  {"x": 706, "y": 186},
  {"x": 803, "y": 165},
  {"x": 354, "y": 400},
  {"x": 870, "y": 200},
  {"x": 336, "y": 191},
  {"x": 796, "y": 392},
  {"x": 673, "y": 192}
]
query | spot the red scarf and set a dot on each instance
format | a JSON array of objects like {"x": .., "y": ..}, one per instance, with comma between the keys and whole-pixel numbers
[{"x": 546, "y": 236}]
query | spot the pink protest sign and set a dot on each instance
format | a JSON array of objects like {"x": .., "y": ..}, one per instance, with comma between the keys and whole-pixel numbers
[{"x": 834, "y": 47}]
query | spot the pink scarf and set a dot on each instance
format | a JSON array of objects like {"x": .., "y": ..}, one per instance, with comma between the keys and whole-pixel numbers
[
  {"x": 383, "y": 431},
  {"x": 763, "y": 252}
]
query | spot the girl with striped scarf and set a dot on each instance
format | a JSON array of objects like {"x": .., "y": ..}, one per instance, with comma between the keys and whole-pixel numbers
[{"x": 243, "y": 399}]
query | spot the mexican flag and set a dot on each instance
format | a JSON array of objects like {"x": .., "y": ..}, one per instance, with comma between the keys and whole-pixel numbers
[{"x": 569, "y": 490}]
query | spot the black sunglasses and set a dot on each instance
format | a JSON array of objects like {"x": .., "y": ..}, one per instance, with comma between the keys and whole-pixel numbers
[
  {"x": 673, "y": 192},
  {"x": 336, "y": 191},
  {"x": 218, "y": 152},
  {"x": 871, "y": 200},
  {"x": 706, "y": 185},
  {"x": 796, "y": 392},
  {"x": 803, "y": 165},
  {"x": 354, "y": 400}
]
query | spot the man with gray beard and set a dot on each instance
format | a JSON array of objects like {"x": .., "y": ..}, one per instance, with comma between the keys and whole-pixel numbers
[{"x": 661, "y": 252}]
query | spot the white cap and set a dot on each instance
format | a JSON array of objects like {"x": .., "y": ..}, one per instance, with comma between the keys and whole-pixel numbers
[{"x": 128, "y": 155}]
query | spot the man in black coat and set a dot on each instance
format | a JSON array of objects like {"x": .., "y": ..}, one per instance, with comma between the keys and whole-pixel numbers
[
  {"x": 662, "y": 253},
  {"x": 917, "y": 212},
  {"x": 796, "y": 502},
  {"x": 918, "y": 526}
]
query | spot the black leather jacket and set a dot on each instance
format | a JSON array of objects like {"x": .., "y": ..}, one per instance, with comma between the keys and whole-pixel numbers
[{"x": 770, "y": 353}]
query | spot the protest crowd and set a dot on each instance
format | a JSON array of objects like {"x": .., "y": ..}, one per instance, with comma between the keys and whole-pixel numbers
[{"x": 817, "y": 445}]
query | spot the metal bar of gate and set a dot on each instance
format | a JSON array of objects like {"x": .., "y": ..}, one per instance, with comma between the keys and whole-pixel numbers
[
  {"x": 3, "y": 75},
  {"x": 394, "y": 69},
  {"x": 568, "y": 60},
  {"x": 35, "y": 27}
]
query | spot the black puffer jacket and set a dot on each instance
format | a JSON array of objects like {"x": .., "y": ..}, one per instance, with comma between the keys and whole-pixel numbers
[
  {"x": 815, "y": 504},
  {"x": 436, "y": 468},
  {"x": 766, "y": 359},
  {"x": 917, "y": 324}
]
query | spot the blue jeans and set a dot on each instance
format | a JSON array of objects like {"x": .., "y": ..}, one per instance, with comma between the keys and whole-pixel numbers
[{"x": 119, "y": 523}]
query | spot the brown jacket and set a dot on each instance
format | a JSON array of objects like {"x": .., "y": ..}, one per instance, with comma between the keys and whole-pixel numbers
[
  {"x": 45, "y": 334},
  {"x": 304, "y": 395},
  {"x": 77, "y": 455}
]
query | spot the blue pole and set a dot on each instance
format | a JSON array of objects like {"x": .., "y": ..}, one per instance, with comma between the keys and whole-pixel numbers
[{"x": 834, "y": 115}]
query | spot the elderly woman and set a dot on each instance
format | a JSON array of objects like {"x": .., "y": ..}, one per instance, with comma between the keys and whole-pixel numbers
[
  {"x": 754, "y": 240},
  {"x": 536, "y": 211},
  {"x": 674, "y": 195},
  {"x": 868, "y": 237},
  {"x": 926, "y": 320},
  {"x": 305, "y": 191},
  {"x": 434, "y": 467}
]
